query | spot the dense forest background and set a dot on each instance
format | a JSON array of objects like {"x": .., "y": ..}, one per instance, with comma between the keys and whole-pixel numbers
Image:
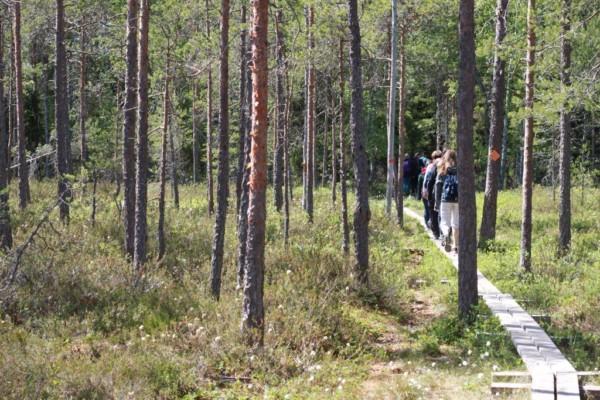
[{"x": 179, "y": 29}]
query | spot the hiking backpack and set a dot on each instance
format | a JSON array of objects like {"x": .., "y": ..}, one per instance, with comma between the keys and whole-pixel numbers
[{"x": 450, "y": 189}]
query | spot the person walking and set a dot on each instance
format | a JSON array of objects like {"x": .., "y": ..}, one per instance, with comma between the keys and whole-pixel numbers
[
  {"x": 446, "y": 195},
  {"x": 423, "y": 164},
  {"x": 428, "y": 193},
  {"x": 407, "y": 172}
]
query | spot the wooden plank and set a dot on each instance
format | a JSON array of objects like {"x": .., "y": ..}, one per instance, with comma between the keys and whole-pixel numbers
[{"x": 567, "y": 386}]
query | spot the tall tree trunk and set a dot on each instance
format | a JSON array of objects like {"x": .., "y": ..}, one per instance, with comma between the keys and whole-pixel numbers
[
  {"x": 223, "y": 172},
  {"x": 243, "y": 109},
  {"x": 209, "y": 129},
  {"x": 195, "y": 141},
  {"x": 343, "y": 183},
  {"x": 334, "y": 153},
  {"x": 19, "y": 120},
  {"x": 391, "y": 119},
  {"x": 504, "y": 158},
  {"x": 467, "y": 220},
  {"x": 253, "y": 313},
  {"x": 62, "y": 112},
  {"x": 141, "y": 176},
  {"x": 324, "y": 143},
  {"x": 564, "y": 240},
  {"x": 362, "y": 213},
  {"x": 525, "y": 257},
  {"x": 243, "y": 210},
  {"x": 441, "y": 114},
  {"x": 286, "y": 161},
  {"x": 310, "y": 120},
  {"x": 173, "y": 170},
  {"x": 119, "y": 108},
  {"x": 82, "y": 96},
  {"x": 47, "y": 162},
  {"x": 129, "y": 125},
  {"x": 401, "y": 130},
  {"x": 280, "y": 126},
  {"x": 487, "y": 230},
  {"x": 5, "y": 228},
  {"x": 305, "y": 133},
  {"x": 11, "y": 101},
  {"x": 163, "y": 164}
]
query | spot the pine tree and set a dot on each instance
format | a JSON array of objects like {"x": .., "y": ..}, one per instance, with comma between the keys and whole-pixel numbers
[
  {"x": 223, "y": 171},
  {"x": 253, "y": 313},
  {"x": 129, "y": 124},
  {"x": 487, "y": 230},
  {"x": 5, "y": 227},
  {"x": 141, "y": 177},
  {"x": 467, "y": 220},
  {"x": 525, "y": 257},
  {"x": 564, "y": 238},
  {"x": 343, "y": 184},
  {"x": 362, "y": 213},
  {"x": 19, "y": 112},
  {"x": 391, "y": 128}
]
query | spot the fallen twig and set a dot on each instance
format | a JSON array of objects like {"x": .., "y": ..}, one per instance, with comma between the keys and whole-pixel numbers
[{"x": 20, "y": 250}]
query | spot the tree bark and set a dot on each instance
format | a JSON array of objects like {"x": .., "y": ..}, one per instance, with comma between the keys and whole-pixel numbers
[
  {"x": 334, "y": 153},
  {"x": 243, "y": 210},
  {"x": 343, "y": 183},
  {"x": 280, "y": 126},
  {"x": 324, "y": 143},
  {"x": 487, "y": 230},
  {"x": 391, "y": 119},
  {"x": 401, "y": 130},
  {"x": 286, "y": 161},
  {"x": 11, "y": 102},
  {"x": 195, "y": 141},
  {"x": 504, "y": 159},
  {"x": 209, "y": 120},
  {"x": 253, "y": 312},
  {"x": 173, "y": 170},
  {"x": 5, "y": 228},
  {"x": 19, "y": 120},
  {"x": 129, "y": 126},
  {"x": 310, "y": 121},
  {"x": 441, "y": 114},
  {"x": 82, "y": 88},
  {"x": 362, "y": 213},
  {"x": 243, "y": 109},
  {"x": 62, "y": 113},
  {"x": 163, "y": 165},
  {"x": 223, "y": 170},
  {"x": 467, "y": 220},
  {"x": 525, "y": 256},
  {"x": 141, "y": 177},
  {"x": 564, "y": 239}
]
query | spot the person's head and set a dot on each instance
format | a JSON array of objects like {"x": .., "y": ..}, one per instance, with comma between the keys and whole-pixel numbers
[
  {"x": 448, "y": 161},
  {"x": 436, "y": 154},
  {"x": 406, "y": 156}
]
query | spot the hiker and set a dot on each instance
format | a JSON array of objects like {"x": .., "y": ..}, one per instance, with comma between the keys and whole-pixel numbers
[
  {"x": 414, "y": 179},
  {"x": 446, "y": 200},
  {"x": 407, "y": 172},
  {"x": 423, "y": 163},
  {"x": 428, "y": 193}
]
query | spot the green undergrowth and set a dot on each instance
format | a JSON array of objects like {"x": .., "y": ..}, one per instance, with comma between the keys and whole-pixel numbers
[
  {"x": 565, "y": 290},
  {"x": 72, "y": 326}
]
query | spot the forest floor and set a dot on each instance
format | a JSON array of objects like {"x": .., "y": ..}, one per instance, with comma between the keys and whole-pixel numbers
[{"x": 73, "y": 327}]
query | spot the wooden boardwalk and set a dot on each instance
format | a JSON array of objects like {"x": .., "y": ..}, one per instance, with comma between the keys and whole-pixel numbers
[{"x": 552, "y": 375}]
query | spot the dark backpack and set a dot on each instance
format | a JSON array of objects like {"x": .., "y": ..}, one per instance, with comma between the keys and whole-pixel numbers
[{"x": 450, "y": 189}]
